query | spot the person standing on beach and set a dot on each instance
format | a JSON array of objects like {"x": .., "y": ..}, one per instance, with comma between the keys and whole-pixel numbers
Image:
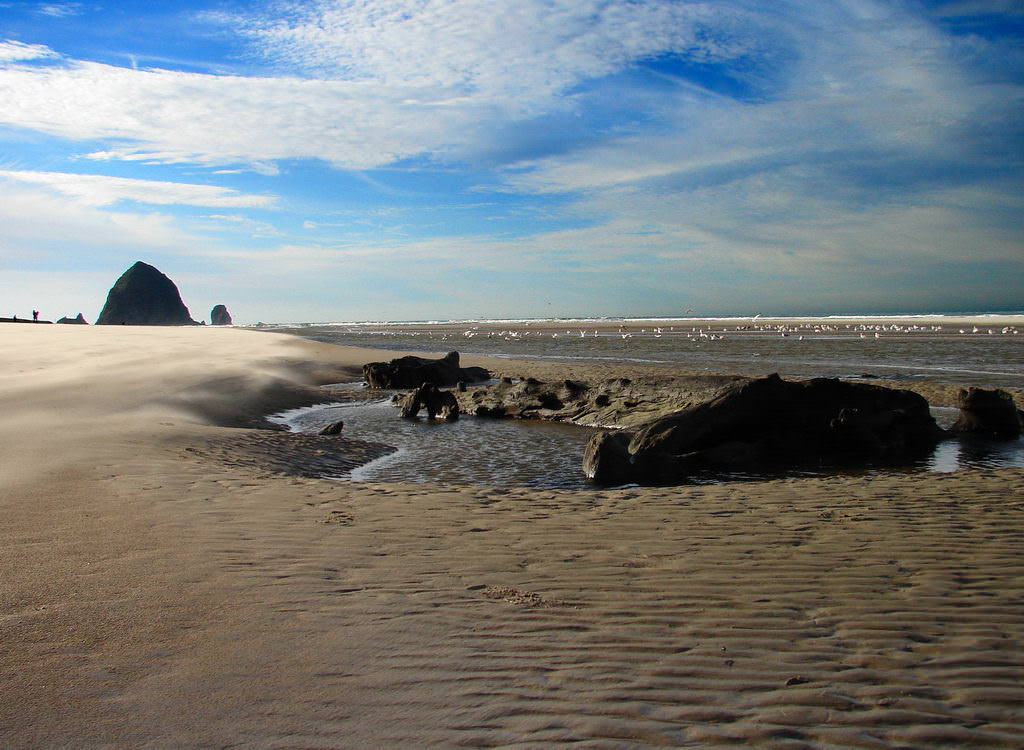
[{"x": 35, "y": 316}]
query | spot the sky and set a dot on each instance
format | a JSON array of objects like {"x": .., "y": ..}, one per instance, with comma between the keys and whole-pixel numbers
[{"x": 330, "y": 160}]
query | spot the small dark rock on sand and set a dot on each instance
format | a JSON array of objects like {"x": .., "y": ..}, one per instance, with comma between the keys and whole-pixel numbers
[{"x": 334, "y": 428}]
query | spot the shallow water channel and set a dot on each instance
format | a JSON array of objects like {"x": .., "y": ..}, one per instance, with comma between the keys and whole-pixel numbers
[
  {"x": 510, "y": 452},
  {"x": 468, "y": 451}
]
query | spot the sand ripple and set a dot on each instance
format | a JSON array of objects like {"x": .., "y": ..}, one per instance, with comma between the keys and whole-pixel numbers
[{"x": 809, "y": 613}]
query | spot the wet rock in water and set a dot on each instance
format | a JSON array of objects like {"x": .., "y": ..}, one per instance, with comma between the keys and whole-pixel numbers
[
  {"x": 219, "y": 316},
  {"x": 768, "y": 424},
  {"x": 411, "y": 372},
  {"x": 143, "y": 296},
  {"x": 438, "y": 403},
  {"x": 334, "y": 428},
  {"x": 606, "y": 458},
  {"x": 990, "y": 413},
  {"x": 78, "y": 320}
]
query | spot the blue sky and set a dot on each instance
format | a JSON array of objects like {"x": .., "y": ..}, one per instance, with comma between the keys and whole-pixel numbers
[{"x": 414, "y": 159}]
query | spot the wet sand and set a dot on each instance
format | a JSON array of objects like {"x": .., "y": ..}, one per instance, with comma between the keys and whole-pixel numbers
[{"x": 170, "y": 583}]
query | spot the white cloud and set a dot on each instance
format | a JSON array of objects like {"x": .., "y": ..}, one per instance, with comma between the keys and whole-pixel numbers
[
  {"x": 235, "y": 222},
  {"x": 397, "y": 79},
  {"x": 869, "y": 83},
  {"x": 39, "y": 224},
  {"x": 103, "y": 190},
  {"x": 174, "y": 117},
  {"x": 12, "y": 51},
  {"x": 519, "y": 54},
  {"x": 60, "y": 10}
]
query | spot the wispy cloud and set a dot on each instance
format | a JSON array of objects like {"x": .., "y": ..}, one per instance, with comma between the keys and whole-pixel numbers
[
  {"x": 13, "y": 51},
  {"x": 46, "y": 227},
  {"x": 368, "y": 84},
  {"x": 516, "y": 54},
  {"x": 103, "y": 190},
  {"x": 60, "y": 10},
  {"x": 173, "y": 117}
]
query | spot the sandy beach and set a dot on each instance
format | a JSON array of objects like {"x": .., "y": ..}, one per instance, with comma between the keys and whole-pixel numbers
[{"x": 170, "y": 580}]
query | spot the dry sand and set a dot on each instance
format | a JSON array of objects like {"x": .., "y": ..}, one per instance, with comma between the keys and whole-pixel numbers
[{"x": 163, "y": 587}]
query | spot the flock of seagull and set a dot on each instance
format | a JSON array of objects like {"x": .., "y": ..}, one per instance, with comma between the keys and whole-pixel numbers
[{"x": 700, "y": 334}]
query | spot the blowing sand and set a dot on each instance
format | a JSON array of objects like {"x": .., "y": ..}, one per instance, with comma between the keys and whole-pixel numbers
[{"x": 164, "y": 587}]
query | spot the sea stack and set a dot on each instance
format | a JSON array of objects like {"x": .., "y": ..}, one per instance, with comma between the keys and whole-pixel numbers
[
  {"x": 143, "y": 296},
  {"x": 219, "y": 316},
  {"x": 79, "y": 320}
]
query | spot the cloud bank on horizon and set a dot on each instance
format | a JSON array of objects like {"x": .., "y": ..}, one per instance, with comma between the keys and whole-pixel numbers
[{"x": 367, "y": 159}]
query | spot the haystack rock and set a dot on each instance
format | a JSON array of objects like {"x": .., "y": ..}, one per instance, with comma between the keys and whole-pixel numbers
[
  {"x": 79, "y": 320},
  {"x": 219, "y": 316},
  {"x": 143, "y": 296}
]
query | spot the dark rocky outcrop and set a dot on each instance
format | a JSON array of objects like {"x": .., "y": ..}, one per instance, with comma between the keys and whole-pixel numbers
[
  {"x": 428, "y": 396},
  {"x": 143, "y": 296},
  {"x": 987, "y": 413},
  {"x": 606, "y": 458},
  {"x": 770, "y": 424},
  {"x": 77, "y": 320},
  {"x": 219, "y": 316},
  {"x": 412, "y": 372}
]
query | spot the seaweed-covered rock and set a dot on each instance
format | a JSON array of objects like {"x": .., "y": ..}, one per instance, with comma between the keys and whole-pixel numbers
[
  {"x": 412, "y": 372},
  {"x": 219, "y": 316},
  {"x": 143, "y": 296},
  {"x": 767, "y": 424},
  {"x": 527, "y": 398},
  {"x": 615, "y": 402},
  {"x": 78, "y": 320},
  {"x": 990, "y": 413}
]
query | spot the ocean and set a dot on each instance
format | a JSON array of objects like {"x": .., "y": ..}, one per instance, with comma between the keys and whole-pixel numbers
[{"x": 985, "y": 351}]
